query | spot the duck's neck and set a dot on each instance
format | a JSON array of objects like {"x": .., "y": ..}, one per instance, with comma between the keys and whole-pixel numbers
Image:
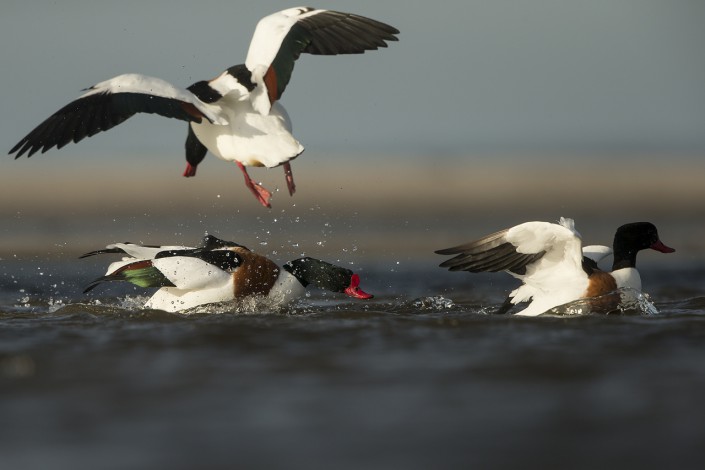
[
  {"x": 299, "y": 270},
  {"x": 287, "y": 288},
  {"x": 624, "y": 257}
]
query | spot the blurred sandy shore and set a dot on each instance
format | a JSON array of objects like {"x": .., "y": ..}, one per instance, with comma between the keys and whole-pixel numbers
[{"x": 387, "y": 207}]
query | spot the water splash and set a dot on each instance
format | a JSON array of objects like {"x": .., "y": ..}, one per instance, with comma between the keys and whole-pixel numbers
[
  {"x": 619, "y": 302},
  {"x": 436, "y": 303},
  {"x": 252, "y": 305},
  {"x": 132, "y": 302}
]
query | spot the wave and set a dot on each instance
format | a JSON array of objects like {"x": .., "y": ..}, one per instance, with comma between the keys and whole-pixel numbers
[{"x": 621, "y": 302}]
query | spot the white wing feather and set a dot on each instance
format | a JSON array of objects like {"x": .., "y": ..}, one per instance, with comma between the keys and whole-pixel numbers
[
  {"x": 143, "y": 84},
  {"x": 597, "y": 252},
  {"x": 188, "y": 273},
  {"x": 269, "y": 34},
  {"x": 557, "y": 277}
]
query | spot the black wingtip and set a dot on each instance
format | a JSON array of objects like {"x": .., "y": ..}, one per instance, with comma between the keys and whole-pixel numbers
[
  {"x": 101, "y": 252},
  {"x": 91, "y": 253},
  {"x": 20, "y": 149},
  {"x": 506, "y": 306},
  {"x": 444, "y": 265},
  {"x": 93, "y": 285},
  {"x": 454, "y": 268}
]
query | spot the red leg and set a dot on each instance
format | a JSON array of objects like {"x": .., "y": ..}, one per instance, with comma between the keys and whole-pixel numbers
[
  {"x": 190, "y": 170},
  {"x": 260, "y": 193},
  {"x": 289, "y": 178}
]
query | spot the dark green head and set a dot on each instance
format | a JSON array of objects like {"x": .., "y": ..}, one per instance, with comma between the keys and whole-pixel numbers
[
  {"x": 326, "y": 276},
  {"x": 632, "y": 238}
]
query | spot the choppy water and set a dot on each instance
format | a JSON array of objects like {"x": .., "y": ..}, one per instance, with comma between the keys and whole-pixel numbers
[{"x": 419, "y": 377}]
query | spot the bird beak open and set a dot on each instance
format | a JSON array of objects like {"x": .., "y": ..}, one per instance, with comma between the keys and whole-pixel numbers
[
  {"x": 353, "y": 290},
  {"x": 659, "y": 246}
]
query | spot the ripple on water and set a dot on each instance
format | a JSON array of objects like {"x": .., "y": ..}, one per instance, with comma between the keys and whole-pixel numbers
[{"x": 622, "y": 302}]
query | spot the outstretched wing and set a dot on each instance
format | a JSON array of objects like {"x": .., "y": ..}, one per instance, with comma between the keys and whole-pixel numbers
[
  {"x": 110, "y": 103},
  {"x": 546, "y": 257},
  {"x": 144, "y": 252},
  {"x": 280, "y": 38},
  {"x": 492, "y": 253},
  {"x": 208, "y": 265},
  {"x": 517, "y": 249}
]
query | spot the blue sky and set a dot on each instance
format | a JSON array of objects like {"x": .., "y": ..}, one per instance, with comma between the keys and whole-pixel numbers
[{"x": 468, "y": 77}]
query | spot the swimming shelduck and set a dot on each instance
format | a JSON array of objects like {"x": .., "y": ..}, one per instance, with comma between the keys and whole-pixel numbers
[
  {"x": 236, "y": 116},
  {"x": 548, "y": 259},
  {"x": 220, "y": 271}
]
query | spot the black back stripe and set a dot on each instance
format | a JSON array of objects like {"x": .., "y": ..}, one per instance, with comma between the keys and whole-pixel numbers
[
  {"x": 242, "y": 75},
  {"x": 204, "y": 92}
]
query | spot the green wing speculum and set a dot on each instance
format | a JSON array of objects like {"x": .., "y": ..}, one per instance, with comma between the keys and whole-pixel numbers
[{"x": 139, "y": 273}]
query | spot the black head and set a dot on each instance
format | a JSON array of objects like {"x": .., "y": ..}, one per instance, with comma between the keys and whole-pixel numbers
[
  {"x": 326, "y": 276},
  {"x": 634, "y": 237}
]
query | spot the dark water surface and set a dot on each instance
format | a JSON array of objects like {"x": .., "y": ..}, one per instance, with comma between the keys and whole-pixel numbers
[{"x": 419, "y": 377}]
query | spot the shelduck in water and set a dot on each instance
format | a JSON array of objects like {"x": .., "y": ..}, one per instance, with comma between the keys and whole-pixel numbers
[
  {"x": 220, "y": 271},
  {"x": 236, "y": 116},
  {"x": 548, "y": 258}
]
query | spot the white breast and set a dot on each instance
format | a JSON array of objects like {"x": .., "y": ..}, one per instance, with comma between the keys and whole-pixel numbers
[
  {"x": 250, "y": 137},
  {"x": 172, "y": 299},
  {"x": 627, "y": 278},
  {"x": 286, "y": 289}
]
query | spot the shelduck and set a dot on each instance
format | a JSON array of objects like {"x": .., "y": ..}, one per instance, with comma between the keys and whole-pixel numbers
[
  {"x": 236, "y": 116},
  {"x": 220, "y": 271},
  {"x": 549, "y": 260}
]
